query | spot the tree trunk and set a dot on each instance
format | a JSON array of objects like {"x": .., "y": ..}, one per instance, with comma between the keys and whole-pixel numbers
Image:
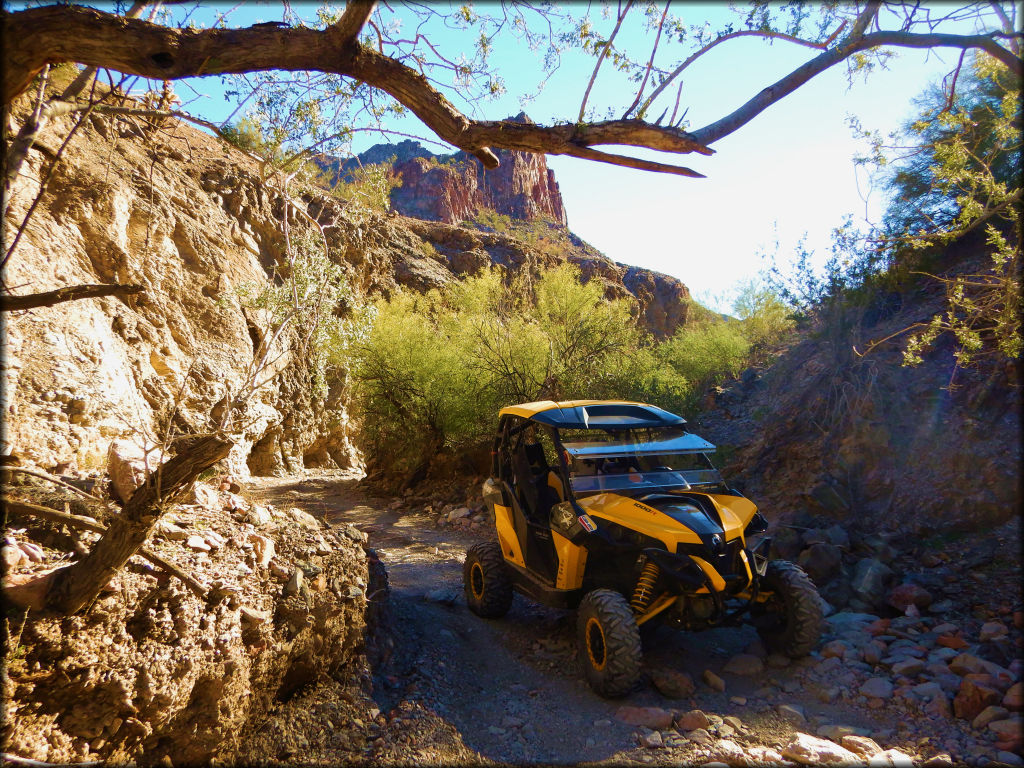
[{"x": 78, "y": 585}]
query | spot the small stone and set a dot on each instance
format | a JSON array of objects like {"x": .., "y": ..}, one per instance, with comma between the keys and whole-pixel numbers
[
  {"x": 908, "y": 668},
  {"x": 1014, "y": 698},
  {"x": 253, "y": 616},
  {"x": 861, "y": 745},
  {"x": 992, "y": 630},
  {"x": 905, "y": 595},
  {"x": 966, "y": 664},
  {"x": 891, "y": 757},
  {"x": 279, "y": 571},
  {"x": 263, "y": 547},
  {"x": 778, "y": 661},
  {"x": 693, "y": 720},
  {"x": 458, "y": 514},
  {"x": 928, "y": 690},
  {"x": 655, "y": 718},
  {"x": 700, "y": 736},
  {"x": 952, "y": 641},
  {"x": 1009, "y": 758},
  {"x": 938, "y": 708},
  {"x": 834, "y": 648},
  {"x": 941, "y": 760},
  {"x": 651, "y": 740},
  {"x": 877, "y": 687},
  {"x": 713, "y": 681},
  {"x": 294, "y": 585},
  {"x": 733, "y": 722},
  {"x": 792, "y": 714},
  {"x": 743, "y": 664},
  {"x": 808, "y": 750},
  {"x": 258, "y": 515},
  {"x": 973, "y": 697},
  {"x": 989, "y": 714},
  {"x": 672, "y": 683},
  {"x": 837, "y": 732},
  {"x": 739, "y": 701},
  {"x": 197, "y": 543},
  {"x": 1006, "y": 730}
]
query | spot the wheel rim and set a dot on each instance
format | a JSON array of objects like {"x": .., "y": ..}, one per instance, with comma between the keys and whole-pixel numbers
[
  {"x": 476, "y": 581},
  {"x": 596, "y": 649}
]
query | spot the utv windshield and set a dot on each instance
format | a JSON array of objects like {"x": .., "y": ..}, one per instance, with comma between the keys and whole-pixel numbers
[{"x": 637, "y": 460}]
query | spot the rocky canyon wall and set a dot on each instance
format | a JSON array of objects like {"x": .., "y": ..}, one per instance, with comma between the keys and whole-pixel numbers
[{"x": 188, "y": 218}]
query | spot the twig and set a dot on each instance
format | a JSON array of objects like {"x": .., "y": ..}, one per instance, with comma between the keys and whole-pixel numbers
[
  {"x": 82, "y": 523},
  {"x": 55, "y": 481}
]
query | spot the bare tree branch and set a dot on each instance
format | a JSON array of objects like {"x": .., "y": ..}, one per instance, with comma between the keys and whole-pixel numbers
[
  {"x": 87, "y": 524},
  {"x": 56, "y": 33},
  {"x": 357, "y": 14},
  {"x": 68, "y": 293},
  {"x": 600, "y": 59},
  {"x": 773, "y": 93}
]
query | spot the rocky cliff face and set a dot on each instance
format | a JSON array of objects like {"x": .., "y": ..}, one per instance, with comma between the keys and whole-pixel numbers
[
  {"x": 454, "y": 188},
  {"x": 458, "y": 187},
  {"x": 189, "y": 219}
]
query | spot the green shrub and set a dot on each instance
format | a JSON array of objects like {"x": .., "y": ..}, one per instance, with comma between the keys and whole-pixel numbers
[{"x": 707, "y": 354}]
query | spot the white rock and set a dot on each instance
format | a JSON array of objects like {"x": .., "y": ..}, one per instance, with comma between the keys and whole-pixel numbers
[
  {"x": 862, "y": 745},
  {"x": 890, "y": 757},
  {"x": 128, "y": 465},
  {"x": 810, "y": 750},
  {"x": 458, "y": 514},
  {"x": 13, "y": 556},
  {"x": 258, "y": 515},
  {"x": 264, "y": 549},
  {"x": 32, "y": 551},
  {"x": 304, "y": 519},
  {"x": 197, "y": 543}
]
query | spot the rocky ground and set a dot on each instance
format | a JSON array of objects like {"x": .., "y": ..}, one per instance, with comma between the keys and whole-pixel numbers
[{"x": 930, "y": 682}]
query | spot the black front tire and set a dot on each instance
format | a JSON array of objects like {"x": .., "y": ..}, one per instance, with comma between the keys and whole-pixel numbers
[
  {"x": 486, "y": 581},
  {"x": 609, "y": 643},
  {"x": 792, "y": 616}
]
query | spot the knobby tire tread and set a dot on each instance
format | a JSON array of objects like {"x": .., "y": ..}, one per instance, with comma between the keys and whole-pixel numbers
[
  {"x": 802, "y": 620},
  {"x": 497, "y": 596},
  {"x": 622, "y": 643}
]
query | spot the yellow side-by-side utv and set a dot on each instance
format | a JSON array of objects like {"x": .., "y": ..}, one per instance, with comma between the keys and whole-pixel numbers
[{"x": 615, "y": 509}]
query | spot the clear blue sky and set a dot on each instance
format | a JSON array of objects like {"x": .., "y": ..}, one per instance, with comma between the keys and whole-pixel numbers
[{"x": 786, "y": 174}]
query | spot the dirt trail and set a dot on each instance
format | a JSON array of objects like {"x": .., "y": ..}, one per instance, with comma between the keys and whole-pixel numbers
[{"x": 511, "y": 690}]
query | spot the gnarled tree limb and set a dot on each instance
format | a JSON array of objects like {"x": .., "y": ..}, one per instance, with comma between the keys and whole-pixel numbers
[
  {"x": 57, "y": 33},
  {"x": 76, "y": 586},
  {"x": 86, "y": 524},
  {"x": 68, "y": 293}
]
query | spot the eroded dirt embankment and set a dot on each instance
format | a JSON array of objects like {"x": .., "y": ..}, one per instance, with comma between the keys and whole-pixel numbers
[
  {"x": 153, "y": 672},
  {"x": 449, "y": 687}
]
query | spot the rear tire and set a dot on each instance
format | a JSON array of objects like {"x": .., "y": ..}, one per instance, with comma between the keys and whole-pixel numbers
[
  {"x": 796, "y": 606},
  {"x": 486, "y": 581},
  {"x": 609, "y": 643}
]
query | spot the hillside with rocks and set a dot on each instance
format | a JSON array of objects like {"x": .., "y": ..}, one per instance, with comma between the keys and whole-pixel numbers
[{"x": 187, "y": 217}]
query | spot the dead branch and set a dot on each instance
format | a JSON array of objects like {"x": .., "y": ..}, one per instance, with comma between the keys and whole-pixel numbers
[
  {"x": 68, "y": 293},
  {"x": 50, "y": 478},
  {"x": 87, "y": 524},
  {"x": 76, "y": 586},
  {"x": 56, "y": 33}
]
